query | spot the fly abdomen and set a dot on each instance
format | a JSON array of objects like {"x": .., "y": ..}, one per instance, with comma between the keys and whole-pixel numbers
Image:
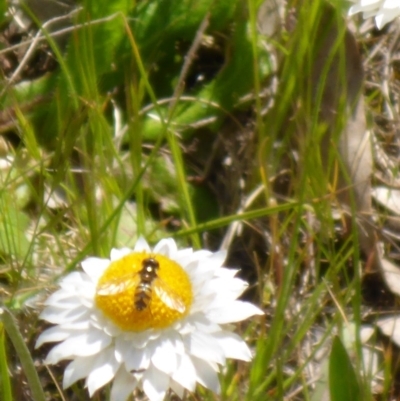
[{"x": 142, "y": 296}]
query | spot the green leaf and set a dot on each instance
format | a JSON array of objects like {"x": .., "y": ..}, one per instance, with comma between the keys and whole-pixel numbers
[
  {"x": 179, "y": 19},
  {"x": 343, "y": 384},
  {"x": 225, "y": 90}
]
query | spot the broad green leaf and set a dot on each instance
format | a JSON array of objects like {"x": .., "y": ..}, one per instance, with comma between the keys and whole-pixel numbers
[
  {"x": 180, "y": 19},
  {"x": 218, "y": 97},
  {"x": 343, "y": 384}
]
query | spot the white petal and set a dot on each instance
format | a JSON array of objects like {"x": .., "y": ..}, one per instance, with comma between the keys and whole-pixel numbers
[
  {"x": 204, "y": 346},
  {"x": 54, "y": 334},
  {"x": 201, "y": 303},
  {"x": 225, "y": 273},
  {"x": 134, "y": 358},
  {"x": 117, "y": 254},
  {"x": 224, "y": 290},
  {"x": 233, "y": 346},
  {"x": 95, "y": 267},
  {"x": 186, "y": 373},
  {"x": 183, "y": 257},
  {"x": 77, "y": 369},
  {"x": 200, "y": 269},
  {"x": 200, "y": 273},
  {"x": 103, "y": 370},
  {"x": 86, "y": 296},
  {"x": 206, "y": 375},
  {"x": 155, "y": 384},
  {"x": 59, "y": 316},
  {"x": 83, "y": 325},
  {"x": 123, "y": 385},
  {"x": 101, "y": 322},
  {"x": 86, "y": 344},
  {"x": 234, "y": 312},
  {"x": 66, "y": 300},
  {"x": 177, "y": 389},
  {"x": 142, "y": 245},
  {"x": 167, "y": 247},
  {"x": 200, "y": 322},
  {"x": 383, "y": 18},
  {"x": 201, "y": 254},
  {"x": 137, "y": 359},
  {"x": 164, "y": 357},
  {"x": 206, "y": 267},
  {"x": 217, "y": 258},
  {"x": 390, "y": 5},
  {"x": 140, "y": 339},
  {"x": 73, "y": 279},
  {"x": 122, "y": 348},
  {"x": 59, "y": 297}
]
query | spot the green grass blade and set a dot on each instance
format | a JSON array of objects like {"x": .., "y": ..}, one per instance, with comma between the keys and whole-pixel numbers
[
  {"x": 5, "y": 383},
  {"x": 23, "y": 354}
]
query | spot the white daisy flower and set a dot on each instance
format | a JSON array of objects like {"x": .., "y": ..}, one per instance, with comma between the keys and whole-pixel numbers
[
  {"x": 384, "y": 11},
  {"x": 152, "y": 319}
]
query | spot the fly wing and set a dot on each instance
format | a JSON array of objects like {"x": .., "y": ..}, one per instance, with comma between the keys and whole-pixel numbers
[
  {"x": 118, "y": 285},
  {"x": 169, "y": 297}
]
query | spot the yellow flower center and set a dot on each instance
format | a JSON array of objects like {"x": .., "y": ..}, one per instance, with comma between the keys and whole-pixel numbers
[{"x": 142, "y": 291}]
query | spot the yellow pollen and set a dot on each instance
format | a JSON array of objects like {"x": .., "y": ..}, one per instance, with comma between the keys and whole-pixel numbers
[{"x": 142, "y": 291}]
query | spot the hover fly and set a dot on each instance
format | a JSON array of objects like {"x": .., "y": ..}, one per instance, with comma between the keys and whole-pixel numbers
[{"x": 144, "y": 282}]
